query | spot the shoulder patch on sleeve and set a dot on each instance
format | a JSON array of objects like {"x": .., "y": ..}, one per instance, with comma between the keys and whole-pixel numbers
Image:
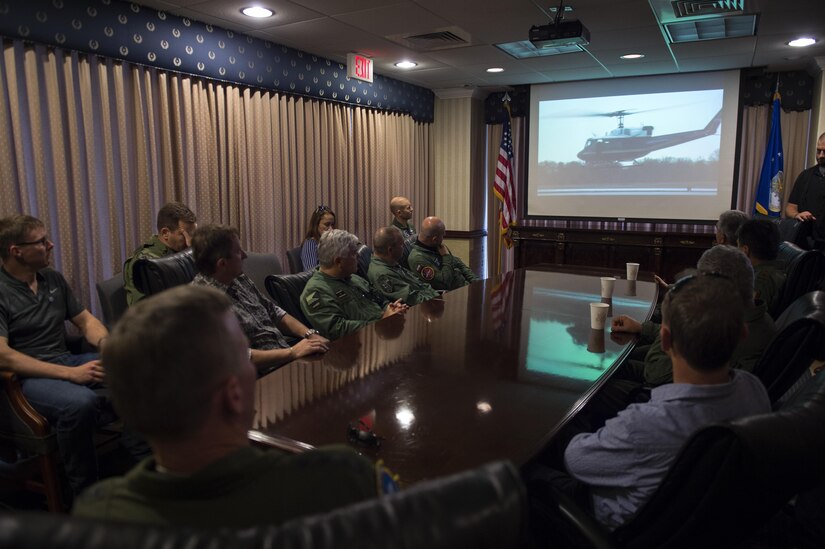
[
  {"x": 312, "y": 301},
  {"x": 427, "y": 273}
]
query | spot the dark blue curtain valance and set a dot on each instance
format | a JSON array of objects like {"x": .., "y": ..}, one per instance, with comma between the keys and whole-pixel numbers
[
  {"x": 144, "y": 35},
  {"x": 795, "y": 87}
]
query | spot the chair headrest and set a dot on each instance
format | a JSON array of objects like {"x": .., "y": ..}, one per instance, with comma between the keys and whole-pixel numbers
[
  {"x": 153, "y": 275},
  {"x": 484, "y": 507},
  {"x": 809, "y": 306}
]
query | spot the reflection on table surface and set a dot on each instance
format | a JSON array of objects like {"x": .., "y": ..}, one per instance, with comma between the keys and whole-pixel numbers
[{"x": 489, "y": 372}]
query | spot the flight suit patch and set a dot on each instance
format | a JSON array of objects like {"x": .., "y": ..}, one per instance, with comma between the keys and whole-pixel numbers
[
  {"x": 342, "y": 296},
  {"x": 312, "y": 300},
  {"x": 385, "y": 283},
  {"x": 427, "y": 273}
]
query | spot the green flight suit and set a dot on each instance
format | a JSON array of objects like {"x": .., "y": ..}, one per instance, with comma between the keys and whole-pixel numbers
[
  {"x": 152, "y": 249},
  {"x": 658, "y": 368},
  {"x": 248, "y": 487},
  {"x": 442, "y": 272},
  {"x": 768, "y": 281},
  {"x": 338, "y": 306},
  {"x": 406, "y": 230},
  {"x": 410, "y": 236},
  {"x": 395, "y": 282}
]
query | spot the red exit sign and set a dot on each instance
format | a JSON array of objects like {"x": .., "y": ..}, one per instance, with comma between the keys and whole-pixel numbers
[{"x": 359, "y": 67}]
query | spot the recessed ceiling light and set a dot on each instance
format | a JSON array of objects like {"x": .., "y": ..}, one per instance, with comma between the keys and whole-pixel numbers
[
  {"x": 257, "y": 11},
  {"x": 632, "y": 56},
  {"x": 802, "y": 42},
  {"x": 406, "y": 64},
  {"x": 495, "y": 69}
]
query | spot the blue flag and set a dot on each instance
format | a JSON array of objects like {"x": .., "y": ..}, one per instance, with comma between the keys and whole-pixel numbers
[{"x": 769, "y": 192}]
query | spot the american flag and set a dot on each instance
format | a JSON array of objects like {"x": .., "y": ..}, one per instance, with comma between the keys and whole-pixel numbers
[{"x": 503, "y": 183}]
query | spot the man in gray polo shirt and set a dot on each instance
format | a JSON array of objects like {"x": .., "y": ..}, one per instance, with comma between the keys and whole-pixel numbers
[{"x": 34, "y": 303}]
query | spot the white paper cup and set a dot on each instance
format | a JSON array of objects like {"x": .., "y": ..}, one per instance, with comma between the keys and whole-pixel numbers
[
  {"x": 632, "y": 271},
  {"x": 598, "y": 315},
  {"x": 607, "y": 286}
]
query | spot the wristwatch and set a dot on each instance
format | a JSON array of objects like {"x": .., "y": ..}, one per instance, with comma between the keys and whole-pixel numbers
[{"x": 310, "y": 332}]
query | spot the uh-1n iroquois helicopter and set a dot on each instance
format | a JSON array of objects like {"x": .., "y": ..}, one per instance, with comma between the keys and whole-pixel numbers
[{"x": 624, "y": 144}]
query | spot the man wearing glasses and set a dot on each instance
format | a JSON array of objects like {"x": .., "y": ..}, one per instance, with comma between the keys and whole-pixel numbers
[
  {"x": 35, "y": 301},
  {"x": 176, "y": 223}
]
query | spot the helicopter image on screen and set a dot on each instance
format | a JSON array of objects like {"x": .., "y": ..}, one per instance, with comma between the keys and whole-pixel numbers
[{"x": 626, "y": 144}]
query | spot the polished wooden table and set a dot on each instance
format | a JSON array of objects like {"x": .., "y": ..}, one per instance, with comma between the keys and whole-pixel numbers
[{"x": 490, "y": 372}]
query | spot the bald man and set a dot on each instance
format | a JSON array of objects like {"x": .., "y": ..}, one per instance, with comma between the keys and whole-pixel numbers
[
  {"x": 402, "y": 211},
  {"x": 807, "y": 200},
  {"x": 433, "y": 262},
  {"x": 388, "y": 277}
]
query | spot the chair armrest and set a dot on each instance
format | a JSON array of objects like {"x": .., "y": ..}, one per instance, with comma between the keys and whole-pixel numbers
[
  {"x": 550, "y": 504},
  {"x": 17, "y": 412}
]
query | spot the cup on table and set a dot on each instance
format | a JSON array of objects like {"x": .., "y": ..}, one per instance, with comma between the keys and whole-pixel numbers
[
  {"x": 632, "y": 271},
  {"x": 631, "y": 287},
  {"x": 598, "y": 315},
  {"x": 607, "y": 286}
]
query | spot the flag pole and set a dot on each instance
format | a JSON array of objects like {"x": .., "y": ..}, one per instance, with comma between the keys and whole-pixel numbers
[
  {"x": 503, "y": 181},
  {"x": 770, "y": 187},
  {"x": 499, "y": 239}
]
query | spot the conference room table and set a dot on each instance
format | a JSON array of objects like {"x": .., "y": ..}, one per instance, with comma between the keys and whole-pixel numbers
[{"x": 491, "y": 371}]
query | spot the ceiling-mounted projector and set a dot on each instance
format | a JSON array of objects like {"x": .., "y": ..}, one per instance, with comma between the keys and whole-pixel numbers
[{"x": 563, "y": 33}]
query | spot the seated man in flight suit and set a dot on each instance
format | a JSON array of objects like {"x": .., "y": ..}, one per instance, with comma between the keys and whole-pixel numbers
[
  {"x": 336, "y": 301},
  {"x": 388, "y": 277},
  {"x": 175, "y": 224},
  {"x": 433, "y": 262}
]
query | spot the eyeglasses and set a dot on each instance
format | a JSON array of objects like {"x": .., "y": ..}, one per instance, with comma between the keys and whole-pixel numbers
[{"x": 43, "y": 241}]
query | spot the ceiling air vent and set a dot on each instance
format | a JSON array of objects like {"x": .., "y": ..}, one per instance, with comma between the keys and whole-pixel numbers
[
  {"x": 700, "y": 8},
  {"x": 440, "y": 39},
  {"x": 712, "y": 29}
]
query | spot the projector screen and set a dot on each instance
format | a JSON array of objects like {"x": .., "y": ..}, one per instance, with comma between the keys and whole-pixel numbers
[{"x": 647, "y": 148}]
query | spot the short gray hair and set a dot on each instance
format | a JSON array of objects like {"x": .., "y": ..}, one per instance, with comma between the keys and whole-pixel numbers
[
  {"x": 335, "y": 243},
  {"x": 732, "y": 263},
  {"x": 729, "y": 222}
]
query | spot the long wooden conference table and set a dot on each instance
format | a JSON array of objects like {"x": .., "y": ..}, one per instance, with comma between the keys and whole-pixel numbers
[{"x": 489, "y": 372}]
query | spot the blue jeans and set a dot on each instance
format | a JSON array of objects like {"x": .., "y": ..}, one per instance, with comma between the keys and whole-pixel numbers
[{"x": 73, "y": 411}]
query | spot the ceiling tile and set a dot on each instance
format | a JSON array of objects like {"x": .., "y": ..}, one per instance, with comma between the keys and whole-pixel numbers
[{"x": 332, "y": 28}]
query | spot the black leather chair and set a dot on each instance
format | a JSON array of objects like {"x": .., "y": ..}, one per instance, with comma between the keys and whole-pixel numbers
[
  {"x": 112, "y": 297},
  {"x": 153, "y": 275},
  {"x": 485, "y": 507},
  {"x": 258, "y": 266},
  {"x": 293, "y": 257},
  {"x": 364, "y": 258},
  {"x": 285, "y": 290},
  {"x": 728, "y": 480},
  {"x": 799, "y": 341},
  {"x": 788, "y": 251},
  {"x": 795, "y": 232},
  {"x": 805, "y": 274}
]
